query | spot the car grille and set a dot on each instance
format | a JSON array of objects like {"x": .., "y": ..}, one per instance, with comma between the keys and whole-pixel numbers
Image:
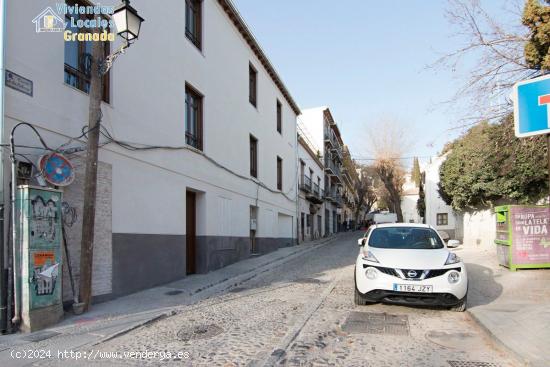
[
  {"x": 437, "y": 272},
  {"x": 412, "y": 273},
  {"x": 388, "y": 271},
  {"x": 431, "y": 273}
]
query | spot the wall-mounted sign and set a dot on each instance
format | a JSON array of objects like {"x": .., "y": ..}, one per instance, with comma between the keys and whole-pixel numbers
[
  {"x": 531, "y": 111},
  {"x": 19, "y": 83}
]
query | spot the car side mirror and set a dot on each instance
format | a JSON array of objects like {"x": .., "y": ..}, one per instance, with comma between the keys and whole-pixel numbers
[
  {"x": 361, "y": 241},
  {"x": 453, "y": 243}
]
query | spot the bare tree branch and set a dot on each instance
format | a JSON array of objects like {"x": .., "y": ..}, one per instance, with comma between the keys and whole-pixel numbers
[{"x": 497, "y": 52}]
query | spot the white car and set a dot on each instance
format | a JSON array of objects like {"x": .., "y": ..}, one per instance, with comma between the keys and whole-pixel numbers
[{"x": 410, "y": 264}]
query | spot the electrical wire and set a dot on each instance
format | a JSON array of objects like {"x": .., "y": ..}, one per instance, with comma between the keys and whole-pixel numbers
[{"x": 131, "y": 146}]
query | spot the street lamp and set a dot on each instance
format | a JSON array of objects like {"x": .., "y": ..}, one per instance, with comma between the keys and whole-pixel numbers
[
  {"x": 128, "y": 24},
  {"x": 127, "y": 21}
]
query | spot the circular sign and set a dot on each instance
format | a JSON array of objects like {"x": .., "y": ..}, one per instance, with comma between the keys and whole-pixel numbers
[{"x": 56, "y": 169}]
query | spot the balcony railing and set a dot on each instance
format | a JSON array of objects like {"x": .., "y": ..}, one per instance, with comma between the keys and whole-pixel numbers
[
  {"x": 330, "y": 138},
  {"x": 332, "y": 168},
  {"x": 306, "y": 184}
]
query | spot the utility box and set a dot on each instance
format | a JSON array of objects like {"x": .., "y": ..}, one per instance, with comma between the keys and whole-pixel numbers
[
  {"x": 39, "y": 264},
  {"x": 522, "y": 237}
]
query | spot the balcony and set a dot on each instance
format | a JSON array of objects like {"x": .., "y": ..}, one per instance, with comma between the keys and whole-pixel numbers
[
  {"x": 328, "y": 193},
  {"x": 331, "y": 168},
  {"x": 305, "y": 185},
  {"x": 315, "y": 195},
  {"x": 330, "y": 137},
  {"x": 338, "y": 200}
]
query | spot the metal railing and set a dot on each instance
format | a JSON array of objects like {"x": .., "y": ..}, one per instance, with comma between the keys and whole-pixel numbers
[
  {"x": 329, "y": 165},
  {"x": 306, "y": 184}
]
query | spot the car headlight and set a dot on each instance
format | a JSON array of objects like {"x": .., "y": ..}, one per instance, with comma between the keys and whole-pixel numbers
[
  {"x": 371, "y": 273},
  {"x": 369, "y": 256},
  {"x": 452, "y": 259},
  {"x": 453, "y": 277}
]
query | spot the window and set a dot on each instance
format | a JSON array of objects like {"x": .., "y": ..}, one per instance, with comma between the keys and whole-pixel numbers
[
  {"x": 193, "y": 118},
  {"x": 78, "y": 56},
  {"x": 409, "y": 238},
  {"x": 252, "y": 84},
  {"x": 279, "y": 117},
  {"x": 193, "y": 21},
  {"x": 279, "y": 173},
  {"x": 442, "y": 219},
  {"x": 253, "y": 156}
]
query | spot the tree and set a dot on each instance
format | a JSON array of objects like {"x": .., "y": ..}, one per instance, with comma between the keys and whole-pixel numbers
[
  {"x": 366, "y": 192},
  {"x": 496, "y": 53},
  {"x": 421, "y": 202},
  {"x": 415, "y": 172},
  {"x": 388, "y": 142},
  {"x": 489, "y": 164},
  {"x": 536, "y": 17}
]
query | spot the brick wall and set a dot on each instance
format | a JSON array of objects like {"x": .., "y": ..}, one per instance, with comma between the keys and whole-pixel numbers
[{"x": 102, "y": 263}]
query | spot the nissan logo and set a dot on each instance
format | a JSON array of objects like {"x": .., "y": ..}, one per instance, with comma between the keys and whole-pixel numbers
[{"x": 411, "y": 274}]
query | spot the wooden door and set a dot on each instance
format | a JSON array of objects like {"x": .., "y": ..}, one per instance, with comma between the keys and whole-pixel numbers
[{"x": 191, "y": 232}]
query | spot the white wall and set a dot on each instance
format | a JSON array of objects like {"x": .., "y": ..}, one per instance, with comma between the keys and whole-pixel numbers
[
  {"x": 147, "y": 106},
  {"x": 479, "y": 228},
  {"x": 434, "y": 203},
  {"x": 408, "y": 208}
]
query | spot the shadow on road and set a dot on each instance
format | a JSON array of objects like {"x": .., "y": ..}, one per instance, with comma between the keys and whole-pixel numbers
[{"x": 482, "y": 288}]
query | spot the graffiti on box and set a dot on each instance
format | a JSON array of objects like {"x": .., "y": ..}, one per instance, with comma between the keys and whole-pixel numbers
[
  {"x": 44, "y": 273},
  {"x": 44, "y": 220},
  {"x": 530, "y": 229}
]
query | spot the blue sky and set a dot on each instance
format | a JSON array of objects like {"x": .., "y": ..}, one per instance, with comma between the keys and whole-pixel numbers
[{"x": 366, "y": 60}]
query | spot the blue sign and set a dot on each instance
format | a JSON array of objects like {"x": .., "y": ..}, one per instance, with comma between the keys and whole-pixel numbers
[{"x": 532, "y": 106}]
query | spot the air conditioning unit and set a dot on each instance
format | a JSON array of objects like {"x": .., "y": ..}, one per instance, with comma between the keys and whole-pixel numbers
[{"x": 253, "y": 224}]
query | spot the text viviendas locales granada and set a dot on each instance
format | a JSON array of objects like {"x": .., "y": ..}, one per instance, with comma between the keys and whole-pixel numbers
[{"x": 88, "y": 25}]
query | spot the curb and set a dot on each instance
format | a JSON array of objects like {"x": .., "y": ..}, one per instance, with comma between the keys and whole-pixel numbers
[
  {"x": 133, "y": 327},
  {"x": 497, "y": 340}
]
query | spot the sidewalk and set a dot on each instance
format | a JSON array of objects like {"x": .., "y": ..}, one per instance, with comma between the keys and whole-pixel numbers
[
  {"x": 514, "y": 307},
  {"x": 109, "y": 319}
]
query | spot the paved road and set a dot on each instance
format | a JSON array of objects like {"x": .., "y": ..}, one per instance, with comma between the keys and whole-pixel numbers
[{"x": 302, "y": 314}]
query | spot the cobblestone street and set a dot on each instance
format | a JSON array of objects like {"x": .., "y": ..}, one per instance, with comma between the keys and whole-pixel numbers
[{"x": 302, "y": 314}]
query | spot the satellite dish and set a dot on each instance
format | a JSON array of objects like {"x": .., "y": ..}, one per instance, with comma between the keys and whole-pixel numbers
[{"x": 56, "y": 169}]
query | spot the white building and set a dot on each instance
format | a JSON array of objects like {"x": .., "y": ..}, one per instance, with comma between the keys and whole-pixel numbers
[
  {"x": 311, "y": 193},
  {"x": 195, "y": 79},
  {"x": 325, "y": 134},
  {"x": 438, "y": 214},
  {"x": 409, "y": 201}
]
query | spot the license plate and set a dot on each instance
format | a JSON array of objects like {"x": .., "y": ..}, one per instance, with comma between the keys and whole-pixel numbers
[{"x": 417, "y": 288}]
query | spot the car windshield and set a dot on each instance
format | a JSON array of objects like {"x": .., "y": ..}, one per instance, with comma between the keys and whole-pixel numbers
[{"x": 405, "y": 238}]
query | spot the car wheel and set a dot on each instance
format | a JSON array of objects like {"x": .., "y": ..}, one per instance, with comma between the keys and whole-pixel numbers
[
  {"x": 461, "y": 306},
  {"x": 360, "y": 299}
]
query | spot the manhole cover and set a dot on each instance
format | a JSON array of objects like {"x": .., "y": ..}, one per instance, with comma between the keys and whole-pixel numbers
[
  {"x": 309, "y": 281},
  {"x": 40, "y": 335},
  {"x": 471, "y": 364},
  {"x": 173, "y": 293},
  {"x": 199, "y": 332},
  {"x": 376, "y": 323}
]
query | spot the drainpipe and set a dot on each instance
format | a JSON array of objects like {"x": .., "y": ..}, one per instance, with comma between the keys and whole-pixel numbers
[{"x": 3, "y": 271}]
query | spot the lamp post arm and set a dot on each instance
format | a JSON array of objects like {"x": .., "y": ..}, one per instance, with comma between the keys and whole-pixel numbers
[{"x": 106, "y": 64}]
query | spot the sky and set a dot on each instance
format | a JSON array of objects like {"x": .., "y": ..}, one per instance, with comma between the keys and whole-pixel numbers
[{"x": 368, "y": 61}]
